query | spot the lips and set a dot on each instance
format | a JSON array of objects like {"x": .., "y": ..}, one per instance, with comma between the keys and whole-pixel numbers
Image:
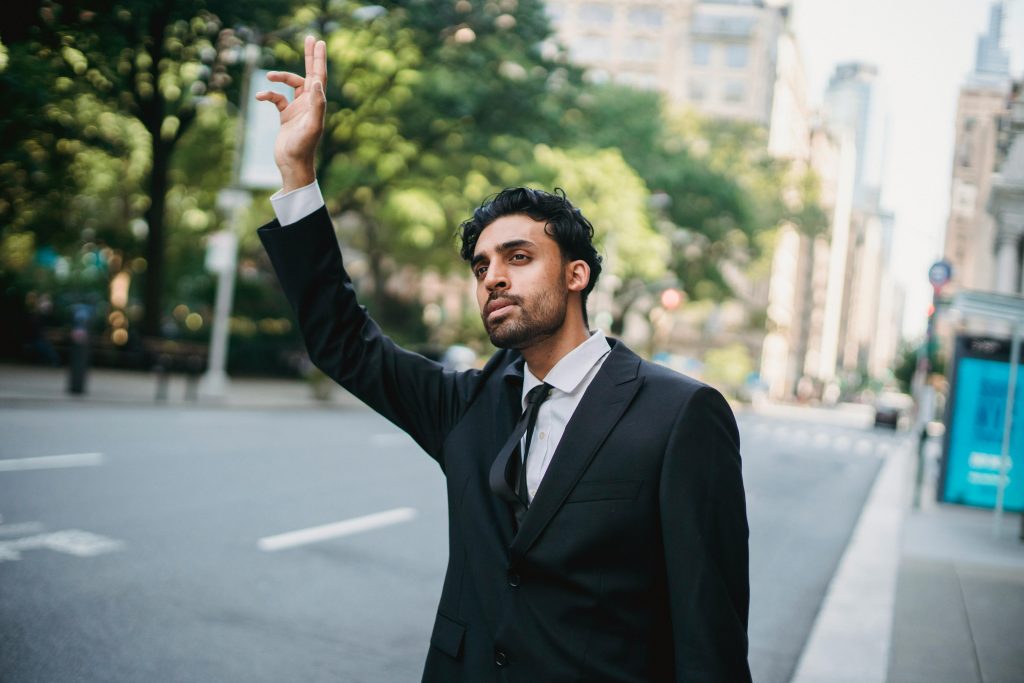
[{"x": 497, "y": 307}]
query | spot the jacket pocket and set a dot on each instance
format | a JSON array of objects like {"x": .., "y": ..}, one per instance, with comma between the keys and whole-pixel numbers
[
  {"x": 448, "y": 635},
  {"x": 587, "y": 491}
]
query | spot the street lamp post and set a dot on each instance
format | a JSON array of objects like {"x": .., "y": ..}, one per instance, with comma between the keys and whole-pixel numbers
[{"x": 222, "y": 249}]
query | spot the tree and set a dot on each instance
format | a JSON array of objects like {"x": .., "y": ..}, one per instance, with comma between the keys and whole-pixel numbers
[
  {"x": 153, "y": 61},
  {"x": 418, "y": 126}
]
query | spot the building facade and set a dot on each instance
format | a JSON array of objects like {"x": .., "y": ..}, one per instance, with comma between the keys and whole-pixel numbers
[{"x": 718, "y": 56}]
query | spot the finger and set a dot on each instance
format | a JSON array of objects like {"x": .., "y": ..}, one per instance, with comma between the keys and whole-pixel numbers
[
  {"x": 279, "y": 100},
  {"x": 290, "y": 79},
  {"x": 309, "y": 60},
  {"x": 320, "y": 61},
  {"x": 319, "y": 100}
]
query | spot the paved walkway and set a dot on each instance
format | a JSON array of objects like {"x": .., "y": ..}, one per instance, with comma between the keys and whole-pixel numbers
[
  {"x": 21, "y": 384},
  {"x": 927, "y": 595},
  {"x": 959, "y": 612}
]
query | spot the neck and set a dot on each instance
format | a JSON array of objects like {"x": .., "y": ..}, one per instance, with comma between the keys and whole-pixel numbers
[{"x": 544, "y": 355}]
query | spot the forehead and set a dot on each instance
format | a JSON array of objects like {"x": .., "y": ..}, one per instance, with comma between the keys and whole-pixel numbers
[{"x": 512, "y": 228}]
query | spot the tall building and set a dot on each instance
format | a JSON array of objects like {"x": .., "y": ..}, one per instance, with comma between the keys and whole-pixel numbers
[
  {"x": 731, "y": 63},
  {"x": 981, "y": 107},
  {"x": 834, "y": 307},
  {"x": 1006, "y": 202},
  {"x": 852, "y": 105},
  {"x": 718, "y": 56}
]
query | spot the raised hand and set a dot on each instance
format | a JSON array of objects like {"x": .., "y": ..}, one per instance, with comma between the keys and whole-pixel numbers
[{"x": 302, "y": 119}]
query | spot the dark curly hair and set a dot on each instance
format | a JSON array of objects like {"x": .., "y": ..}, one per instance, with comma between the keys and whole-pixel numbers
[{"x": 564, "y": 223}]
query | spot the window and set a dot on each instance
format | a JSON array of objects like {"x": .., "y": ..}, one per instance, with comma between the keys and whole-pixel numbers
[
  {"x": 697, "y": 91},
  {"x": 642, "y": 50},
  {"x": 735, "y": 91},
  {"x": 650, "y": 17},
  {"x": 591, "y": 48},
  {"x": 555, "y": 11},
  {"x": 701, "y": 53},
  {"x": 638, "y": 80},
  {"x": 736, "y": 56},
  {"x": 597, "y": 13}
]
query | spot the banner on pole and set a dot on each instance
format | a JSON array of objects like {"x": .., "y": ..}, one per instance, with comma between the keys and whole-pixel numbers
[{"x": 262, "y": 121}]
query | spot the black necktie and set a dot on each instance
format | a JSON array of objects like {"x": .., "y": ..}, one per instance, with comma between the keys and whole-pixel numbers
[{"x": 509, "y": 471}]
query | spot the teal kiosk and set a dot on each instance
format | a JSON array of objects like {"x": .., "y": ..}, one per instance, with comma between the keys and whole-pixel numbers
[{"x": 975, "y": 419}]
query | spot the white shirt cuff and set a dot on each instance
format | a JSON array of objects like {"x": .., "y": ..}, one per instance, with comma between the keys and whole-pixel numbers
[{"x": 292, "y": 207}]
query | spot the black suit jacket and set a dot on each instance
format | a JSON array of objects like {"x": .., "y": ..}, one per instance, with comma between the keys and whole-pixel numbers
[{"x": 631, "y": 563}]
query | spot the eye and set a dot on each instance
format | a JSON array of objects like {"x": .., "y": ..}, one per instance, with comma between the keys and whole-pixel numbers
[
  {"x": 521, "y": 258},
  {"x": 479, "y": 271}
]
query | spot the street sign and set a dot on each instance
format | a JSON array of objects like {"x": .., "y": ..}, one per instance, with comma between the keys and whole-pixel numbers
[
  {"x": 940, "y": 273},
  {"x": 975, "y": 415},
  {"x": 262, "y": 121},
  {"x": 221, "y": 248}
]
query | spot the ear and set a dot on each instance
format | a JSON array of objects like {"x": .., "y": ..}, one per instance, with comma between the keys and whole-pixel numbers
[{"x": 577, "y": 275}]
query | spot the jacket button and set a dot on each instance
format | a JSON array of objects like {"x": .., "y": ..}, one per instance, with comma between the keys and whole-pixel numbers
[
  {"x": 513, "y": 578},
  {"x": 500, "y": 658}
]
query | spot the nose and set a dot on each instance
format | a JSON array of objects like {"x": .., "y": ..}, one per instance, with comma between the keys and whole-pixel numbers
[{"x": 495, "y": 278}]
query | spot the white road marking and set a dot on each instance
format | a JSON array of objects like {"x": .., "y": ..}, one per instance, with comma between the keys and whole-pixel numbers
[
  {"x": 70, "y": 542},
  {"x": 326, "y": 532},
  {"x": 46, "y": 462},
  {"x": 22, "y": 528}
]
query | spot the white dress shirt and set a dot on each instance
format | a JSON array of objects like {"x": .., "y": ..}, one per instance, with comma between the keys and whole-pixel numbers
[
  {"x": 292, "y": 207},
  {"x": 569, "y": 378}
]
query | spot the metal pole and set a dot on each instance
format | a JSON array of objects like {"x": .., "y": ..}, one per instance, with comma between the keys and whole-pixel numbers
[
  {"x": 1004, "y": 462},
  {"x": 214, "y": 383}
]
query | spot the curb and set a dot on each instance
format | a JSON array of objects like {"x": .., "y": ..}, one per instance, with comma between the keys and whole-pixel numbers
[{"x": 852, "y": 634}]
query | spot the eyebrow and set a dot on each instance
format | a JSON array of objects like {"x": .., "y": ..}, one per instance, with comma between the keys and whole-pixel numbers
[{"x": 501, "y": 248}]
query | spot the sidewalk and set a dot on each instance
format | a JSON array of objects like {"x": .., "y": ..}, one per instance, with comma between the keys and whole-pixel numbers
[
  {"x": 921, "y": 596},
  {"x": 959, "y": 613},
  {"x": 27, "y": 384}
]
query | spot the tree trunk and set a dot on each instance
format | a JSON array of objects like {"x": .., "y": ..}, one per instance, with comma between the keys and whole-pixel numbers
[
  {"x": 156, "y": 239},
  {"x": 151, "y": 113}
]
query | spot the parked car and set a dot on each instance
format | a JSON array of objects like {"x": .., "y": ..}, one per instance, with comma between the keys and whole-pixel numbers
[{"x": 892, "y": 409}]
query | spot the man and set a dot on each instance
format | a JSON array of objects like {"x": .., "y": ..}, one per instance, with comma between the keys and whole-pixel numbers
[{"x": 618, "y": 550}]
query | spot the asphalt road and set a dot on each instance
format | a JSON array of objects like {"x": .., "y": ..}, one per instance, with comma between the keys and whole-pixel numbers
[{"x": 155, "y": 560}]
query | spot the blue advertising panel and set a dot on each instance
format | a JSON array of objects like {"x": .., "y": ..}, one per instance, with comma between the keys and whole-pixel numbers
[{"x": 975, "y": 421}]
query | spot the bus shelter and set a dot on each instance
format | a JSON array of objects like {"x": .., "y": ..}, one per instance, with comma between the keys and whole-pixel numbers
[{"x": 1003, "y": 310}]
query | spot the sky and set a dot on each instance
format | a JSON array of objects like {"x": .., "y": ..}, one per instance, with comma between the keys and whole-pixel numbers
[{"x": 924, "y": 50}]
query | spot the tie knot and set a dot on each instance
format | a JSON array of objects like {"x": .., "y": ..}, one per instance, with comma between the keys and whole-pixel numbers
[{"x": 538, "y": 394}]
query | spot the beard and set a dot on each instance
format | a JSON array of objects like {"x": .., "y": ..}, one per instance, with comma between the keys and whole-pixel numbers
[{"x": 539, "y": 319}]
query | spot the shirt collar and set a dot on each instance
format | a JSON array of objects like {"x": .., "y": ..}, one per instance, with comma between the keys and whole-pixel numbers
[{"x": 573, "y": 367}]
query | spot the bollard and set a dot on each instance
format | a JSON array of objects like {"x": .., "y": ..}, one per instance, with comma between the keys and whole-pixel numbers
[
  {"x": 78, "y": 366},
  {"x": 919, "y": 478},
  {"x": 162, "y": 370},
  {"x": 193, "y": 367}
]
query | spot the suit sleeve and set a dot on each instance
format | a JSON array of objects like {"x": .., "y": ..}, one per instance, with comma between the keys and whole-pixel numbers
[
  {"x": 705, "y": 535},
  {"x": 414, "y": 393}
]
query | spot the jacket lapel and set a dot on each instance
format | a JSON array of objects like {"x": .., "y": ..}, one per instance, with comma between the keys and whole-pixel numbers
[{"x": 603, "y": 404}]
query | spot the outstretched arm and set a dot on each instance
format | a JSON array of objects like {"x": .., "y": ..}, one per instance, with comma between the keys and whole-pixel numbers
[{"x": 342, "y": 339}]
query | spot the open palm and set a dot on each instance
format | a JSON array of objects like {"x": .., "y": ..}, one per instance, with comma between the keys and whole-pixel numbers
[{"x": 302, "y": 119}]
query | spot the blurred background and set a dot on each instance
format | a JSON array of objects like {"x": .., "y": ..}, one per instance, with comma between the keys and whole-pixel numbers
[{"x": 816, "y": 206}]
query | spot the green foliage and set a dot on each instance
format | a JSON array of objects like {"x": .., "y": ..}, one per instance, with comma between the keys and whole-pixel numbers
[
  {"x": 119, "y": 123},
  {"x": 727, "y": 368}
]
